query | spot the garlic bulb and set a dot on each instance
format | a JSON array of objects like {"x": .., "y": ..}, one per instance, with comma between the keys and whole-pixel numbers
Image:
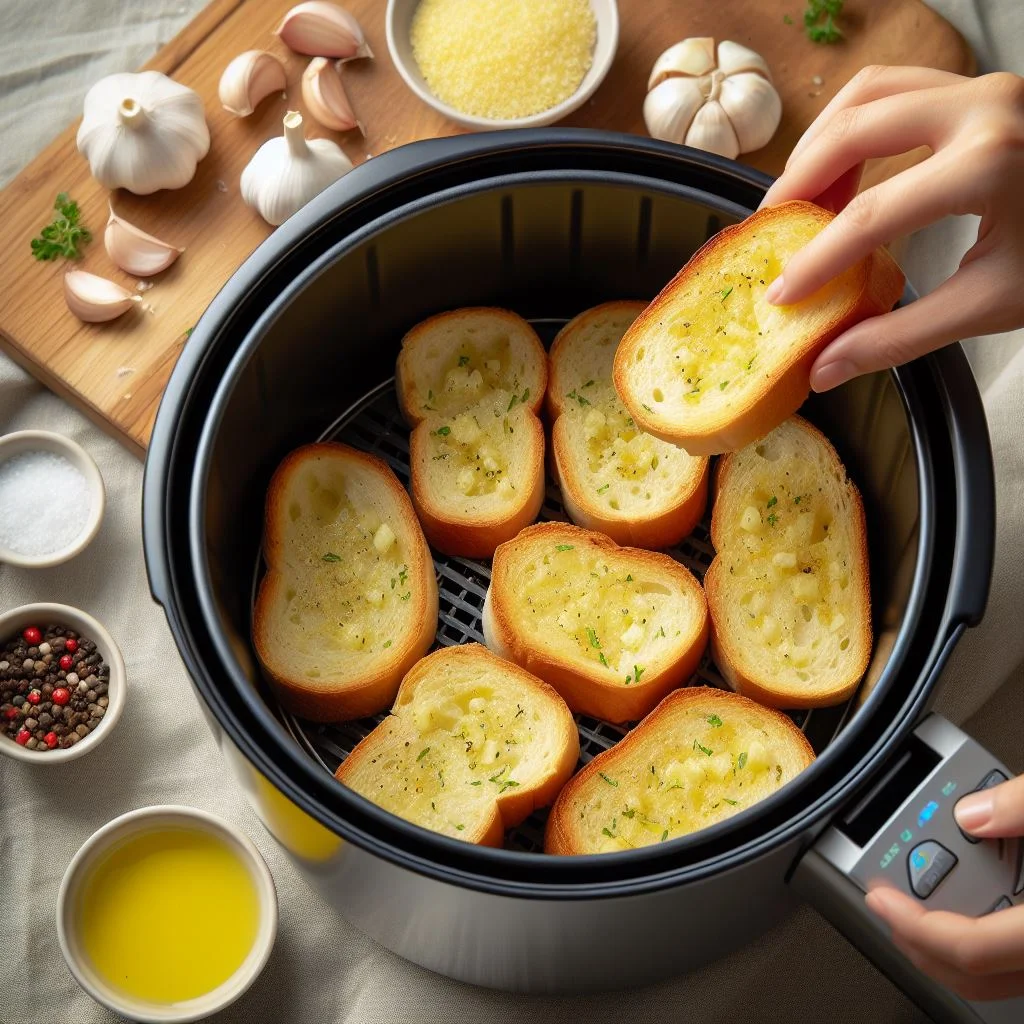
[
  {"x": 134, "y": 251},
  {"x": 727, "y": 108},
  {"x": 142, "y": 132},
  {"x": 248, "y": 80},
  {"x": 285, "y": 173},
  {"x": 326, "y": 98},
  {"x": 95, "y": 299},
  {"x": 321, "y": 29}
]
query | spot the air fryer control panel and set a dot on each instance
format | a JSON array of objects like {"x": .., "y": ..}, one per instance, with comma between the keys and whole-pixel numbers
[{"x": 902, "y": 833}]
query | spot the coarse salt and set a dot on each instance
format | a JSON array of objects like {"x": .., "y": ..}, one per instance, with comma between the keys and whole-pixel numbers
[{"x": 44, "y": 503}]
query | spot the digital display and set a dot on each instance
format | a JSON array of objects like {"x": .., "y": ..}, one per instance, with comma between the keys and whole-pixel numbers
[
  {"x": 906, "y": 835},
  {"x": 949, "y": 789},
  {"x": 890, "y": 855},
  {"x": 927, "y": 813}
]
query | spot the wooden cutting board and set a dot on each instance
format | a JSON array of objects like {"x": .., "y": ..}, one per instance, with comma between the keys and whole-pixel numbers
[{"x": 117, "y": 371}]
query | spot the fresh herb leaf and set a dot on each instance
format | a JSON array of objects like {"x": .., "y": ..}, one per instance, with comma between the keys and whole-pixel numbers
[
  {"x": 576, "y": 397},
  {"x": 564, "y": 547},
  {"x": 704, "y": 750},
  {"x": 728, "y": 801},
  {"x": 772, "y": 518},
  {"x": 463, "y": 360},
  {"x": 403, "y": 574},
  {"x": 407, "y": 595},
  {"x": 478, "y": 782},
  {"x": 723, "y": 385},
  {"x": 511, "y": 402},
  {"x": 603, "y": 659},
  {"x": 63, "y": 235},
  {"x": 796, "y": 500},
  {"x": 647, "y": 407},
  {"x": 787, "y": 20},
  {"x": 519, "y": 712},
  {"x": 444, "y": 431},
  {"x": 638, "y": 671},
  {"x": 496, "y": 777},
  {"x": 526, "y": 395},
  {"x": 819, "y": 21},
  {"x": 423, "y": 753},
  {"x": 593, "y": 638},
  {"x": 714, "y": 720},
  {"x": 661, "y": 632},
  {"x": 188, "y": 333},
  {"x": 507, "y": 785},
  {"x": 726, "y": 293},
  {"x": 741, "y": 761},
  {"x": 629, "y": 577},
  {"x": 387, "y": 644},
  {"x": 603, "y": 488},
  {"x": 664, "y": 836},
  {"x": 589, "y": 384},
  {"x": 629, "y": 812},
  {"x": 608, "y": 833},
  {"x": 778, "y": 773},
  {"x": 611, "y": 782},
  {"x": 772, "y": 501},
  {"x": 331, "y": 557},
  {"x": 460, "y": 827},
  {"x": 751, "y": 363}
]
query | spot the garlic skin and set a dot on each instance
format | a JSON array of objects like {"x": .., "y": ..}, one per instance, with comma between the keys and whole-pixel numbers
[
  {"x": 135, "y": 251},
  {"x": 286, "y": 172},
  {"x": 248, "y": 80},
  {"x": 726, "y": 106},
  {"x": 321, "y": 29},
  {"x": 325, "y": 97},
  {"x": 142, "y": 132},
  {"x": 95, "y": 300}
]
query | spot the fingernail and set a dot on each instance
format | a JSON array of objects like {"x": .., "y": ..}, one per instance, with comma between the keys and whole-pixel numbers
[
  {"x": 775, "y": 289},
  {"x": 974, "y": 811},
  {"x": 831, "y": 375}
]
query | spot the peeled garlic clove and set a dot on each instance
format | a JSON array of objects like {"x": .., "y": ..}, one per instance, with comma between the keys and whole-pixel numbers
[
  {"x": 321, "y": 29},
  {"x": 733, "y": 58},
  {"x": 134, "y": 251},
  {"x": 95, "y": 299},
  {"x": 670, "y": 108},
  {"x": 753, "y": 108},
  {"x": 695, "y": 56},
  {"x": 326, "y": 98},
  {"x": 712, "y": 131},
  {"x": 248, "y": 80}
]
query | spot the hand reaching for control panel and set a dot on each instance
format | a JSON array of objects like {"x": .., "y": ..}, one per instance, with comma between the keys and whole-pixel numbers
[{"x": 979, "y": 958}]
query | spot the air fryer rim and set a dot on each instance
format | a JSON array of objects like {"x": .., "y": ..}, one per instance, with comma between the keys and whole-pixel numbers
[{"x": 373, "y": 828}]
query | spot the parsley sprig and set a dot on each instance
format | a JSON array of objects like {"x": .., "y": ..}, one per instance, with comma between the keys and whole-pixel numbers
[
  {"x": 64, "y": 235},
  {"x": 820, "y": 21}
]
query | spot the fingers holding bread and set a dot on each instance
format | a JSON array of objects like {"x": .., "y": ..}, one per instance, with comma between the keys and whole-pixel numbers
[
  {"x": 614, "y": 477},
  {"x": 470, "y": 384}
]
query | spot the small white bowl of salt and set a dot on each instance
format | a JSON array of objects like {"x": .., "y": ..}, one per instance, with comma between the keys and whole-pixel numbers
[{"x": 51, "y": 499}]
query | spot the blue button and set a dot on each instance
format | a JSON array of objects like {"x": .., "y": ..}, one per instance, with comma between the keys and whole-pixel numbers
[{"x": 927, "y": 865}]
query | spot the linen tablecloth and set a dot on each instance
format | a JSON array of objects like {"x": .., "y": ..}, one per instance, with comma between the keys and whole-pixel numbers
[{"x": 322, "y": 969}]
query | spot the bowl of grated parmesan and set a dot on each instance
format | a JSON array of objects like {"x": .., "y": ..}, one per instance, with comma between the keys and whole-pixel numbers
[{"x": 490, "y": 64}]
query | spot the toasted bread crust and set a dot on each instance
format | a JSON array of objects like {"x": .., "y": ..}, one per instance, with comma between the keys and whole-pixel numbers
[
  {"x": 726, "y": 648},
  {"x": 666, "y": 527},
  {"x": 786, "y": 388},
  {"x": 586, "y": 689},
  {"x": 516, "y": 804},
  {"x": 561, "y": 836},
  {"x": 374, "y": 688}
]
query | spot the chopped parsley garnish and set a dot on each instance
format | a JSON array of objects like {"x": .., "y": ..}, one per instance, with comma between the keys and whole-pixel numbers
[
  {"x": 507, "y": 785},
  {"x": 444, "y": 431},
  {"x": 741, "y": 761},
  {"x": 819, "y": 21},
  {"x": 387, "y": 644},
  {"x": 751, "y": 363},
  {"x": 460, "y": 827},
  {"x": 778, "y": 773},
  {"x": 423, "y": 753},
  {"x": 589, "y": 384},
  {"x": 661, "y": 632},
  {"x": 796, "y": 500},
  {"x": 772, "y": 518},
  {"x": 787, "y": 20},
  {"x": 592, "y": 637},
  {"x": 478, "y": 782},
  {"x": 526, "y": 395},
  {"x": 704, "y": 750},
  {"x": 726, "y": 293},
  {"x": 496, "y": 777},
  {"x": 638, "y": 671},
  {"x": 629, "y": 812},
  {"x": 728, "y": 801},
  {"x": 647, "y": 407},
  {"x": 603, "y": 488},
  {"x": 331, "y": 557},
  {"x": 407, "y": 595},
  {"x": 629, "y": 577},
  {"x": 403, "y": 574},
  {"x": 603, "y": 659},
  {"x": 519, "y": 712},
  {"x": 772, "y": 501},
  {"x": 63, "y": 235},
  {"x": 564, "y": 547},
  {"x": 723, "y": 385},
  {"x": 664, "y": 836},
  {"x": 608, "y": 833},
  {"x": 611, "y": 782},
  {"x": 714, "y": 720},
  {"x": 577, "y": 397},
  {"x": 463, "y": 360}
]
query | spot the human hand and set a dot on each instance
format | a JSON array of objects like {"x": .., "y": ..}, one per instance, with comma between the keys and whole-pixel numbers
[
  {"x": 979, "y": 958},
  {"x": 975, "y": 129}
]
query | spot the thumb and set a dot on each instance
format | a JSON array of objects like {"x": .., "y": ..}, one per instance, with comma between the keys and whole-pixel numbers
[{"x": 998, "y": 811}]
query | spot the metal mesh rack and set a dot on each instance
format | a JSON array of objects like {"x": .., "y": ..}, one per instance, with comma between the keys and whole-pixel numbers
[{"x": 374, "y": 424}]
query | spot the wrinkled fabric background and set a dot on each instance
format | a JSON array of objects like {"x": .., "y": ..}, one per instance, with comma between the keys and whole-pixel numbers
[{"x": 322, "y": 969}]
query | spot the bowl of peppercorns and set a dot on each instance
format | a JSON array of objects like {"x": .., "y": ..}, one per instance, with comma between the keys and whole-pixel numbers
[{"x": 62, "y": 683}]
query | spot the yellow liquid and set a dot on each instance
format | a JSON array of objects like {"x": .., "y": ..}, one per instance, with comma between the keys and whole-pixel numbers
[{"x": 168, "y": 915}]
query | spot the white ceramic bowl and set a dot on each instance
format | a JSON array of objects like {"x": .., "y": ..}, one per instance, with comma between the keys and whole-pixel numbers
[
  {"x": 41, "y": 615},
  {"x": 398, "y": 21},
  {"x": 148, "y": 819},
  {"x": 22, "y": 441}
]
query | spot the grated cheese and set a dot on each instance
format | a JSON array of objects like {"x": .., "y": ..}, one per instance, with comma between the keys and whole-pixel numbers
[{"x": 501, "y": 59}]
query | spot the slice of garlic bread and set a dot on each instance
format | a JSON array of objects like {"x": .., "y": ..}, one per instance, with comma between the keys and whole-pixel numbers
[
  {"x": 470, "y": 383},
  {"x": 788, "y": 589},
  {"x": 701, "y": 756},
  {"x": 349, "y": 600},
  {"x": 710, "y": 365},
  {"x": 615, "y": 478},
  {"x": 611, "y": 629},
  {"x": 473, "y": 745}
]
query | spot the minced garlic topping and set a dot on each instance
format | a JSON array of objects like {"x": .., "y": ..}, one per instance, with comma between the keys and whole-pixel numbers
[{"x": 502, "y": 59}]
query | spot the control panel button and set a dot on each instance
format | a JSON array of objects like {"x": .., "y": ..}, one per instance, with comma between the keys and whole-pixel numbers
[
  {"x": 994, "y": 778},
  {"x": 1003, "y": 903},
  {"x": 928, "y": 863}
]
